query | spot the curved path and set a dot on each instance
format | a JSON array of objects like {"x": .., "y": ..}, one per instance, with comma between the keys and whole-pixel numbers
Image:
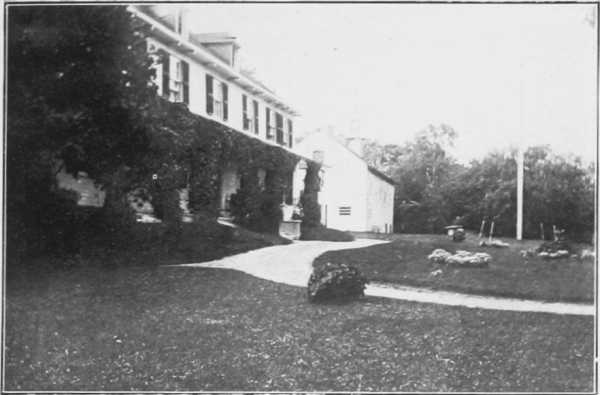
[{"x": 292, "y": 264}]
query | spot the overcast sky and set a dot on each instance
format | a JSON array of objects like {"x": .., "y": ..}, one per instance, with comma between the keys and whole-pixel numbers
[{"x": 499, "y": 74}]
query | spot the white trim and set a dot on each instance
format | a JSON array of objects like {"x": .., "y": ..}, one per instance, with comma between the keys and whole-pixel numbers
[{"x": 209, "y": 60}]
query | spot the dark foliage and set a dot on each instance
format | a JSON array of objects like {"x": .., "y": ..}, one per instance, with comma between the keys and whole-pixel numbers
[
  {"x": 309, "y": 198},
  {"x": 79, "y": 96},
  {"x": 431, "y": 188},
  {"x": 335, "y": 282},
  {"x": 459, "y": 235},
  {"x": 322, "y": 233}
]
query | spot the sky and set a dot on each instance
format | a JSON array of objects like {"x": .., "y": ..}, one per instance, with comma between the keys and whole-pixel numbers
[{"x": 501, "y": 75}]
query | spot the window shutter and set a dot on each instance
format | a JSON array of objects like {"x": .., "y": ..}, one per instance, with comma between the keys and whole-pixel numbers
[
  {"x": 224, "y": 87},
  {"x": 209, "y": 94},
  {"x": 290, "y": 133},
  {"x": 166, "y": 76},
  {"x": 185, "y": 71},
  {"x": 256, "y": 125},
  {"x": 245, "y": 112},
  {"x": 267, "y": 122}
]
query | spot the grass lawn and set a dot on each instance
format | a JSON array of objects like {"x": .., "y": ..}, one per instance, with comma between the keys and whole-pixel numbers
[
  {"x": 156, "y": 328},
  {"x": 404, "y": 261},
  {"x": 157, "y": 244}
]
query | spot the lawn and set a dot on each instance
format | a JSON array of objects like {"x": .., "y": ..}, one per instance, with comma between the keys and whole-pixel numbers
[
  {"x": 156, "y": 328},
  {"x": 404, "y": 261},
  {"x": 157, "y": 244}
]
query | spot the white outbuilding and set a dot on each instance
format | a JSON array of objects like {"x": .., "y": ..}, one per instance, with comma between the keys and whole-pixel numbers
[{"x": 354, "y": 196}]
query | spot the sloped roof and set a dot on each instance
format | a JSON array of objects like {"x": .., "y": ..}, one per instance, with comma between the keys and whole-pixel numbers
[{"x": 371, "y": 169}]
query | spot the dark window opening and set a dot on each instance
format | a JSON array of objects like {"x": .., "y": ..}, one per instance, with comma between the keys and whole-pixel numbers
[{"x": 209, "y": 95}]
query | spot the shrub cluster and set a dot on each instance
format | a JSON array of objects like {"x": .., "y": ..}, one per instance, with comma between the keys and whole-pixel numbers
[
  {"x": 320, "y": 232},
  {"x": 459, "y": 235},
  {"x": 335, "y": 281},
  {"x": 555, "y": 246}
]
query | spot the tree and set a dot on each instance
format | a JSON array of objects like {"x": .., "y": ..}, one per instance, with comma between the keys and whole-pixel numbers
[
  {"x": 557, "y": 192},
  {"x": 78, "y": 94}
]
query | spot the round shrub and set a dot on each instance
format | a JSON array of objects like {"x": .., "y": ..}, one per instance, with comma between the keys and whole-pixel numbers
[
  {"x": 458, "y": 235},
  {"x": 335, "y": 282}
]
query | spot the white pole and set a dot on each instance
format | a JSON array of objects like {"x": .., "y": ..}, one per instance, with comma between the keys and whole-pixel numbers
[{"x": 520, "y": 159}]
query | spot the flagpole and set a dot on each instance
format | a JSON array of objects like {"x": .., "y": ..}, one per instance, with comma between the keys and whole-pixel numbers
[{"x": 520, "y": 159}]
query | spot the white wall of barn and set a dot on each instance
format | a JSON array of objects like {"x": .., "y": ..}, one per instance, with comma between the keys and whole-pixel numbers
[
  {"x": 380, "y": 205},
  {"x": 344, "y": 183}
]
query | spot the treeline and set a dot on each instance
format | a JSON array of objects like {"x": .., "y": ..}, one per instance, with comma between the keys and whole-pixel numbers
[{"x": 432, "y": 188}]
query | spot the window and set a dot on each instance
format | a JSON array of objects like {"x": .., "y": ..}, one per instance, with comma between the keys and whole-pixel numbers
[
  {"x": 279, "y": 128},
  {"x": 269, "y": 123},
  {"x": 256, "y": 124},
  {"x": 245, "y": 120},
  {"x": 166, "y": 77},
  {"x": 216, "y": 99},
  {"x": 345, "y": 210},
  {"x": 174, "y": 79},
  {"x": 262, "y": 177},
  {"x": 290, "y": 133}
]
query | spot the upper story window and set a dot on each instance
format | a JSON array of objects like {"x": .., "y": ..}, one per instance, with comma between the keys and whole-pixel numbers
[
  {"x": 279, "y": 129},
  {"x": 246, "y": 121},
  {"x": 290, "y": 133},
  {"x": 255, "y": 113},
  {"x": 172, "y": 76},
  {"x": 216, "y": 98},
  {"x": 269, "y": 124}
]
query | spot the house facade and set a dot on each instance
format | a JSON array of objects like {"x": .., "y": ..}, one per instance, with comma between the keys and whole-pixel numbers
[
  {"x": 201, "y": 70},
  {"x": 353, "y": 195}
]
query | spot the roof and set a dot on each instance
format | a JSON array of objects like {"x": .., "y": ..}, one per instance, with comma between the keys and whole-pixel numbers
[
  {"x": 371, "y": 169},
  {"x": 379, "y": 174},
  {"x": 162, "y": 30}
]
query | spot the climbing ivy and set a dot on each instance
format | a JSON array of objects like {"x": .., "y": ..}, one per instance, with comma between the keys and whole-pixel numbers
[{"x": 191, "y": 151}]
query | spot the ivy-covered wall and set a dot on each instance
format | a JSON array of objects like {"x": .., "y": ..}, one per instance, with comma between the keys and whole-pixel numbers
[{"x": 191, "y": 151}]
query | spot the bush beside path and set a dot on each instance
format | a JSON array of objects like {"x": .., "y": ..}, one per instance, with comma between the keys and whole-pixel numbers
[{"x": 404, "y": 261}]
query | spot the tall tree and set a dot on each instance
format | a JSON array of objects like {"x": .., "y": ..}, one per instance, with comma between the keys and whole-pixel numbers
[{"x": 78, "y": 92}]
